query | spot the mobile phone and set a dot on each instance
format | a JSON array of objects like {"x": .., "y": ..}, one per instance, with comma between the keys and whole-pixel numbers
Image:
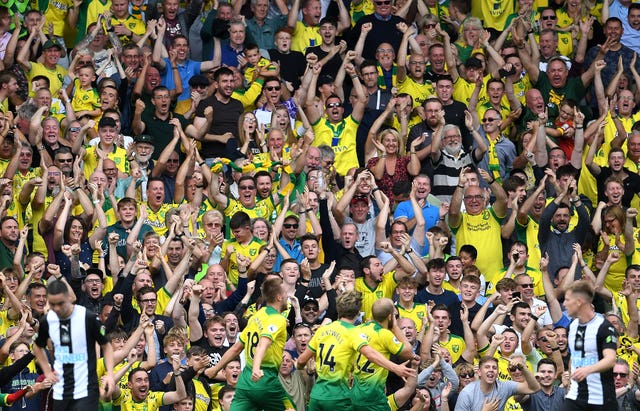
[{"x": 515, "y": 294}]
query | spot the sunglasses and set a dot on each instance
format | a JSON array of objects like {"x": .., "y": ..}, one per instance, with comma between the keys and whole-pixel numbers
[
  {"x": 548, "y": 17},
  {"x": 469, "y": 375},
  {"x": 385, "y": 2},
  {"x": 311, "y": 308},
  {"x": 290, "y": 225},
  {"x": 528, "y": 285},
  {"x": 513, "y": 369},
  {"x": 334, "y": 105},
  {"x": 620, "y": 375},
  {"x": 247, "y": 187},
  {"x": 65, "y": 160},
  {"x": 74, "y": 129},
  {"x": 271, "y": 88},
  {"x": 429, "y": 26},
  {"x": 173, "y": 161},
  {"x": 489, "y": 120}
]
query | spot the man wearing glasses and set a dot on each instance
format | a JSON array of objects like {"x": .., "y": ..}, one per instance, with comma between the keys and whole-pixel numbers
[
  {"x": 479, "y": 225},
  {"x": 498, "y": 159},
  {"x": 383, "y": 29}
]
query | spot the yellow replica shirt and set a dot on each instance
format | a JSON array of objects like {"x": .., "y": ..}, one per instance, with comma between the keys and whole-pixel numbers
[
  {"x": 370, "y": 378},
  {"x": 418, "y": 313},
  {"x": 305, "y": 36},
  {"x": 493, "y": 13},
  {"x": 535, "y": 274},
  {"x": 5, "y": 322},
  {"x": 385, "y": 289},
  {"x": 341, "y": 138},
  {"x": 125, "y": 402},
  {"x": 118, "y": 155},
  {"x": 94, "y": 9},
  {"x": 462, "y": 90},
  {"x": 419, "y": 92},
  {"x": 267, "y": 322},
  {"x": 55, "y": 76},
  {"x": 335, "y": 346},
  {"x": 136, "y": 26},
  {"x": 615, "y": 276},
  {"x": 157, "y": 220},
  {"x": 250, "y": 250},
  {"x": 529, "y": 235},
  {"x": 84, "y": 100},
  {"x": 101, "y": 370},
  {"x": 521, "y": 87},
  {"x": 483, "y": 232},
  {"x": 360, "y": 9},
  {"x": 38, "y": 242},
  {"x": 263, "y": 208},
  {"x": 455, "y": 345}
]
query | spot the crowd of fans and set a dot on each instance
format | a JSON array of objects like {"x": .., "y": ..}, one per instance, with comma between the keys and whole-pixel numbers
[{"x": 446, "y": 193}]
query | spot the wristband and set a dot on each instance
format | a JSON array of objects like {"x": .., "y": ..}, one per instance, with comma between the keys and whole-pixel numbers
[
  {"x": 460, "y": 186},
  {"x": 374, "y": 190},
  {"x": 555, "y": 349},
  {"x": 492, "y": 181},
  {"x": 533, "y": 316}
]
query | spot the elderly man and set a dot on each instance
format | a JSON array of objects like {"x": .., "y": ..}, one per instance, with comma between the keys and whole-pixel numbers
[
  {"x": 478, "y": 225},
  {"x": 448, "y": 155}
]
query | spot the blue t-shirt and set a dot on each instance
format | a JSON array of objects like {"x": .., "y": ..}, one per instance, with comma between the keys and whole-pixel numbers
[
  {"x": 187, "y": 70},
  {"x": 430, "y": 212}
]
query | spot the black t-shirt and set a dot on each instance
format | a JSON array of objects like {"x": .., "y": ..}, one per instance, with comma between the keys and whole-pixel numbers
[
  {"x": 454, "y": 114},
  {"x": 225, "y": 120},
  {"x": 215, "y": 353},
  {"x": 631, "y": 185},
  {"x": 332, "y": 66},
  {"x": 292, "y": 65}
]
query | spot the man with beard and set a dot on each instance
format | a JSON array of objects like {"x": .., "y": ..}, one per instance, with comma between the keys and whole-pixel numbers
[
  {"x": 554, "y": 236},
  {"x": 454, "y": 110},
  {"x": 550, "y": 397},
  {"x": 433, "y": 112},
  {"x": 9, "y": 233},
  {"x": 147, "y": 299},
  {"x": 63, "y": 159},
  {"x": 375, "y": 283},
  {"x": 265, "y": 336},
  {"x": 139, "y": 393},
  {"x": 143, "y": 151},
  {"x": 488, "y": 391},
  {"x": 225, "y": 122},
  {"x": 616, "y": 169},
  {"x": 92, "y": 286},
  {"x": 448, "y": 155}
]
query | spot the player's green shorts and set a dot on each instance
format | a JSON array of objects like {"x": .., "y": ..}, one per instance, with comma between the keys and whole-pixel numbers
[
  {"x": 266, "y": 394},
  {"x": 366, "y": 398},
  {"x": 330, "y": 396}
]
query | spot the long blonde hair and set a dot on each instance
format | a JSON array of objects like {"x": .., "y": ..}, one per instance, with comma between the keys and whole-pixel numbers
[{"x": 396, "y": 135}]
